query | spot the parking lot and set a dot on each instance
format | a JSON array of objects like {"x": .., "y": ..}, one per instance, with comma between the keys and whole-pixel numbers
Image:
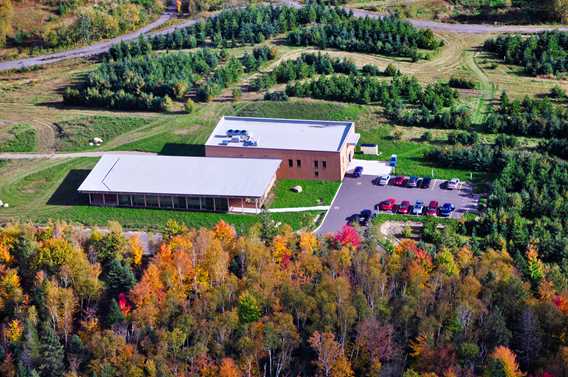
[{"x": 356, "y": 194}]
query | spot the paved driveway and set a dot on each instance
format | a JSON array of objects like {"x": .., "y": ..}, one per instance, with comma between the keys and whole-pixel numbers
[{"x": 356, "y": 194}]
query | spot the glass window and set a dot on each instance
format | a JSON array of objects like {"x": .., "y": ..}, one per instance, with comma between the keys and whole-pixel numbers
[
  {"x": 138, "y": 200},
  {"x": 193, "y": 203},
  {"x": 97, "y": 199},
  {"x": 317, "y": 173},
  {"x": 179, "y": 202},
  {"x": 165, "y": 202},
  {"x": 124, "y": 200},
  {"x": 316, "y": 165},
  {"x": 290, "y": 163},
  {"x": 299, "y": 163},
  {"x": 221, "y": 204},
  {"x": 207, "y": 204},
  {"x": 110, "y": 199},
  {"x": 152, "y": 201},
  {"x": 324, "y": 164}
]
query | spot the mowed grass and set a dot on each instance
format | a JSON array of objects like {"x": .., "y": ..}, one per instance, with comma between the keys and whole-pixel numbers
[
  {"x": 49, "y": 192},
  {"x": 314, "y": 193},
  {"x": 19, "y": 138},
  {"x": 76, "y": 134},
  {"x": 299, "y": 109}
]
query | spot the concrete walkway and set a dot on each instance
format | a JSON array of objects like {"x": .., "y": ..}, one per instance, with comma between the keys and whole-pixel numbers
[{"x": 278, "y": 210}]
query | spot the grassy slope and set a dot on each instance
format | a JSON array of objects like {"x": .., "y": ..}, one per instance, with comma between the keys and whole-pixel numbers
[
  {"x": 19, "y": 138},
  {"x": 75, "y": 134}
]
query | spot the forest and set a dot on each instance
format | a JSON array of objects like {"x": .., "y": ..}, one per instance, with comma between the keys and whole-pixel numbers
[
  {"x": 273, "y": 302},
  {"x": 152, "y": 81},
  {"x": 540, "y": 54}
]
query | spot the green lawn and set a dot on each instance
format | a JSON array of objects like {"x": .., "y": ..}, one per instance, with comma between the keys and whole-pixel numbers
[
  {"x": 315, "y": 193},
  {"x": 76, "y": 134},
  {"x": 300, "y": 109},
  {"x": 19, "y": 138}
]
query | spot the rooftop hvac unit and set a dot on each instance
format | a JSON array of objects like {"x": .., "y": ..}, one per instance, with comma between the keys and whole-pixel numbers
[
  {"x": 225, "y": 142},
  {"x": 235, "y": 139}
]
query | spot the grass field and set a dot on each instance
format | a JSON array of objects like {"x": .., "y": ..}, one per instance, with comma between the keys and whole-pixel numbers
[
  {"x": 315, "y": 193},
  {"x": 76, "y": 134},
  {"x": 18, "y": 138}
]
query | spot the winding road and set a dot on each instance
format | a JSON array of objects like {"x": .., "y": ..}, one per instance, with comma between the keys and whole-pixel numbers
[{"x": 101, "y": 47}]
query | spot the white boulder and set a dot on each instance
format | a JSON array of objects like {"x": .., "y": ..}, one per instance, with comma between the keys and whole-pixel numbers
[{"x": 297, "y": 188}]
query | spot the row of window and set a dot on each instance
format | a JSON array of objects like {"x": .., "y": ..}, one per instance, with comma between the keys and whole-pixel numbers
[
  {"x": 299, "y": 164},
  {"x": 162, "y": 201}
]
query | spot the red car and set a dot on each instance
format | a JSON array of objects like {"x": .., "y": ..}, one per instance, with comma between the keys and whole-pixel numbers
[
  {"x": 399, "y": 181},
  {"x": 432, "y": 209},
  {"x": 404, "y": 207},
  {"x": 387, "y": 205}
]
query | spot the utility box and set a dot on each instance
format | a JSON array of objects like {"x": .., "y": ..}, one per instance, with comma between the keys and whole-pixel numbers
[
  {"x": 393, "y": 160},
  {"x": 371, "y": 149}
]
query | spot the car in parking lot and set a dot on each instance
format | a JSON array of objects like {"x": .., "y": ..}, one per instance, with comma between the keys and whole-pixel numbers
[
  {"x": 365, "y": 216},
  {"x": 399, "y": 181},
  {"x": 453, "y": 184},
  {"x": 446, "y": 209},
  {"x": 432, "y": 209},
  {"x": 357, "y": 171},
  {"x": 412, "y": 182},
  {"x": 426, "y": 182},
  {"x": 404, "y": 207},
  {"x": 418, "y": 207},
  {"x": 383, "y": 180},
  {"x": 387, "y": 205}
]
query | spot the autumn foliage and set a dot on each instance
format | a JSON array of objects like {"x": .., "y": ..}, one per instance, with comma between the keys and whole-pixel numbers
[{"x": 215, "y": 302}]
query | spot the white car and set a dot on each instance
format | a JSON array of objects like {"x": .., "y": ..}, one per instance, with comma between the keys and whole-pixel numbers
[
  {"x": 384, "y": 180},
  {"x": 453, "y": 184}
]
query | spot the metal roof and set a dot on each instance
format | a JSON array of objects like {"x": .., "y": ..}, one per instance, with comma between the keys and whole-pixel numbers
[
  {"x": 169, "y": 175},
  {"x": 290, "y": 134}
]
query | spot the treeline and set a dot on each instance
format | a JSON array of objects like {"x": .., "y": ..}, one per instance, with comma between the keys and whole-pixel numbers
[
  {"x": 542, "y": 53},
  {"x": 308, "y": 65},
  {"x": 150, "y": 82},
  {"x": 528, "y": 117},
  {"x": 274, "y": 302},
  {"x": 235, "y": 27},
  {"x": 388, "y": 35}
]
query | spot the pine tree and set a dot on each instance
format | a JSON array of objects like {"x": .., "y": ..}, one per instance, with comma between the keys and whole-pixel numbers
[{"x": 52, "y": 354}]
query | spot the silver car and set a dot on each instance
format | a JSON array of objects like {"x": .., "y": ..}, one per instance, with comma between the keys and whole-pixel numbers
[
  {"x": 453, "y": 184},
  {"x": 384, "y": 180}
]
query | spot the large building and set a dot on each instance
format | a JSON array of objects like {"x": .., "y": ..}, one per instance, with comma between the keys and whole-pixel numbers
[
  {"x": 244, "y": 157},
  {"x": 189, "y": 183},
  {"x": 309, "y": 149}
]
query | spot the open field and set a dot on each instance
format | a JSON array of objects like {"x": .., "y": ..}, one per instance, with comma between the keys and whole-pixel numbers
[
  {"x": 18, "y": 138},
  {"x": 314, "y": 193}
]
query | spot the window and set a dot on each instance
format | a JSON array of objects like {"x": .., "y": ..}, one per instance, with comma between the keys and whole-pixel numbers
[
  {"x": 324, "y": 164},
  {"x": 138, "y": 200},
  {"x": 316, "y": 165},
  {"x": 317, "y": 173},
  {"x": 290, "y": 163},
  {"x": 124, "y": 200},
  {"x": 299, "y": 163},
  {"x": 193, "y": 203},
  {"x": 166, "y": 202}
]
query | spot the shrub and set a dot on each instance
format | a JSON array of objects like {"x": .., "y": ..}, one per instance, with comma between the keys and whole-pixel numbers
[
  {"x": 426, "y": 136},
  {"x": 189, "y": 106},
  {"x": 461, "y": 83}
]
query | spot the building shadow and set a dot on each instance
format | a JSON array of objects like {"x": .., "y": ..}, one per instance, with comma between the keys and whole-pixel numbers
[
  {"x": 66, "y": 194},
  {"x": 179, "y": 149}
]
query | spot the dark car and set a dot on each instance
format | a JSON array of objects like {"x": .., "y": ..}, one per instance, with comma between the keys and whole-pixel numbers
[
  {"x": 426, "y": 182},
  {"x": 419, "y": 182},
  {"x": 357, "y": 171},
  {"x": 446, "y": 209},
  {"x": 365, "y": 216},
  {"x": 399, "y": 181},
  {"x": 404, "y": 207},
  {"x": 354, "y": 219},
  {"x": 387, "y": 205},
  {"x": 432, "y": 209},
  {"x": 412, "y": 182}
]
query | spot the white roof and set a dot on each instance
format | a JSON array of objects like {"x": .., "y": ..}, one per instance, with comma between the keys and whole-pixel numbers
[
  {"x": 307, "y": 135},
  {"x": 199, "y": 176}
]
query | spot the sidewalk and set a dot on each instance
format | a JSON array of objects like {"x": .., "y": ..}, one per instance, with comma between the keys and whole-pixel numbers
[{"x": 278, "y": 210}]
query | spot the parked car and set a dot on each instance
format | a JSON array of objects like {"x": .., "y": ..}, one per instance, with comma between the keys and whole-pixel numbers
[
  {"x": 404, "y": 207},
  {"x": 418, "y": 208},
  {"x": 432, "y": 209},
  {"x": 419, "y": 182},
  {"x": 426, "y": 182},
  {"x": 446, "y": 209},
  {"x": 412, "y": 182},
  {"x": 399, "y": 181},
  {"x": 453, "y": 184},
  {"x": 357, "y": 171},
  {"x": 383, "y": 180},
  {"x": 365, "y": 216},
  {"x": 387, "y": 205}
]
